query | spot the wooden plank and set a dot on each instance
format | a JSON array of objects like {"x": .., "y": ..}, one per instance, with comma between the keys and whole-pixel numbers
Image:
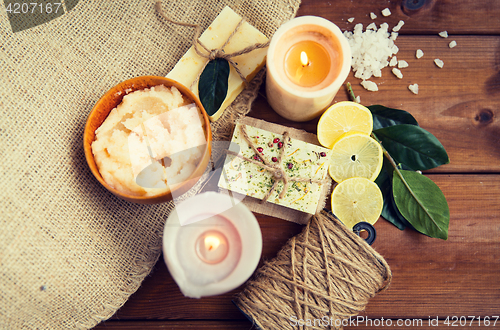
[
  {"x": 172, "y": 325},
  {"x": 356, "y": 323},
  {"x": 458, "y": 103},
  {"x": 428, "y": 323},
  {"x": 431, "y": 277},
  {"x": 433, "y": 17},
  {"x": 452, "y": 277}
]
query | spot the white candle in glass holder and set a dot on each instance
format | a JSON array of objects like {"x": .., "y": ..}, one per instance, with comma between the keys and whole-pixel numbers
[
  {"x": 211, "y": 244},
  {"x": 308, "y": 60}
]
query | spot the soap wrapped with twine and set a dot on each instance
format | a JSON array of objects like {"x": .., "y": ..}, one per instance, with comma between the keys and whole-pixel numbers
[
  {"x": 212, "y": 54},
  {"x": 218, "y": 67},
  {"x": 276, "y": 169},
  {"x": 325, "y": 273}
]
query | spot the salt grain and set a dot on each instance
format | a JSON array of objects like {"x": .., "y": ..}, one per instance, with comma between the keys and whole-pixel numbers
[
  {"x": 397, "y": 73},
  {"x": 413, "y": 88},
  {"x": 398, "y": 27},
  {"x": 443, "y": 34},
  {"x": 402, "y": 64},
  {"x": 350, "y": 20},
  {"x": 394, "y": 61},
  {"x": 369, "y": 85},
  {"x": 452, "y": 44},
  {"x": 373, "y": 16},
  {"x": 358, "y": 99},
  {"x": 394, "y": 36},
  {"x": 419, "y": 53},
  {"x": 386, "y": 12},
  {"x": 372, "y": 26},
  {"x": 439, "y": 63}
]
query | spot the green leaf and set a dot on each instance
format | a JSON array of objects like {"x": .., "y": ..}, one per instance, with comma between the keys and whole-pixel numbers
[
  {"x": 385, "y": 117},
  {"x": 213, "y": 84},
  {"x": 391, "y": 213},
  {"x": 422, "y": 203},
  {"x": 413, "y": 146},
  {"x": 389, "y": 210}
]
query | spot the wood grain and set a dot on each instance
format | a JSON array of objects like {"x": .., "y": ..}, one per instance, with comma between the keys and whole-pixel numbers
[
  {"x": 456, "y": 17},
  {"x": 363, "y": 322},
  {"x": 173, "y": 325},
  {"x": 454, "y": 277}
]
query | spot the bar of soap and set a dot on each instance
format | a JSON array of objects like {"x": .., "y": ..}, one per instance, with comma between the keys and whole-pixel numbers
[
  {"x": 303, "y": 160},
  {"x": 189, "y": 66}
]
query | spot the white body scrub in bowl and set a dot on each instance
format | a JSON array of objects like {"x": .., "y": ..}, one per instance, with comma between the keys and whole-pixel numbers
[{"x": 153, "y": 140}]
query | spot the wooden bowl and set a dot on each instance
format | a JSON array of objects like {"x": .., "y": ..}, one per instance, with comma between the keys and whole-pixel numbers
[{"x": 113, "y": 98}]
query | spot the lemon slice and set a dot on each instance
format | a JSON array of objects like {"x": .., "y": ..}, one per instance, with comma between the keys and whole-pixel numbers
[
  {"x": 355, "y": 155},
  {"x": 355, "y": 200},
  {"x": 343, "y": 117}
]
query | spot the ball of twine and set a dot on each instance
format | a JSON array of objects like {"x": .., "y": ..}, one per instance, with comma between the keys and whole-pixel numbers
[{"x": 325, "y": 271}]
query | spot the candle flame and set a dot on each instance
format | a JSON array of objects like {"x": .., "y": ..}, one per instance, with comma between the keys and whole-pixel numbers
[
  {"x": 304, "y": 59},
  {"x": 211, "y": 243}
]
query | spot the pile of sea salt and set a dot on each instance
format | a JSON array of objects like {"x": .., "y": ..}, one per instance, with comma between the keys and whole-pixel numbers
[
  {"x": 371, "y": 50},
  {"x": 375, "y": 49}
]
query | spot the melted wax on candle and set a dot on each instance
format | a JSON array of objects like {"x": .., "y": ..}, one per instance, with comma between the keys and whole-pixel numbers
[
  {"x": 212, "y": 247},
  {"x": 307, "y": 63}
]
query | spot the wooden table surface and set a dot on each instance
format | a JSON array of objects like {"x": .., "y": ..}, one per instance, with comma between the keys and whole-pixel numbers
[{"x": 459, "y": 104}]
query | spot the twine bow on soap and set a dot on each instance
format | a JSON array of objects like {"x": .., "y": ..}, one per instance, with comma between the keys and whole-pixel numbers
[
  {"x": 212, "y": 54},
  {"x": 276, "y": 169}
]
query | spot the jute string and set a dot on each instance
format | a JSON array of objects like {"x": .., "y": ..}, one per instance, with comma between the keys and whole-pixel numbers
[
  {"x": 275, "y": 168},
  {"x": 326, "y": 270},
  {"x": 212, "y": 54}
]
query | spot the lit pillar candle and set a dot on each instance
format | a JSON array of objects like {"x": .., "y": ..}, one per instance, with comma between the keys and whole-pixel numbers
[
  {"x": 307, "y": 62},
  {"x": 212, "y": 247},
  {"x": 211, "y": 244}
]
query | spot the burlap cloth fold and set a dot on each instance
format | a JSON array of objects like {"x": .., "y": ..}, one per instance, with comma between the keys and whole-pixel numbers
[{"x": 70, "y": 252}]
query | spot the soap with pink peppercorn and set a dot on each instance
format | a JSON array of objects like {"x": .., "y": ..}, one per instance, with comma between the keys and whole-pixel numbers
[{"x": 301, "y": 160}]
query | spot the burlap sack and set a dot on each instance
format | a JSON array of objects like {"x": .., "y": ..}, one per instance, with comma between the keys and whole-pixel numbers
[{"x": 70, "y": 252}]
